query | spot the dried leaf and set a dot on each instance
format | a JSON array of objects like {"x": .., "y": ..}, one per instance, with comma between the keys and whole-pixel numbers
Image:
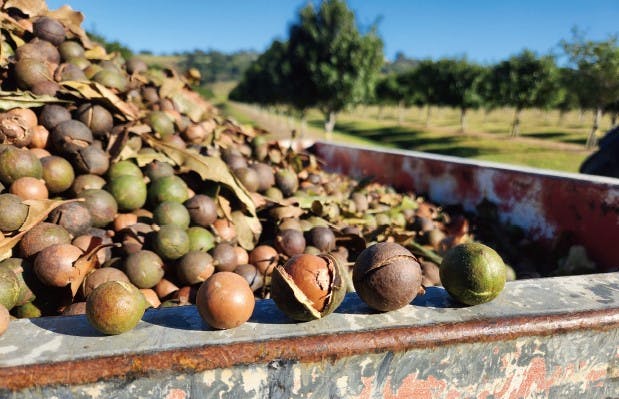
[
  {"x": 98, "y": 53},
  {"x": 72, "y": 21},
  {"x": 95, "y": 91},
  {"x": 37, "y": 212},
  {"x": 247, "y": 229},
  {"x": 169, "y": 86},
  {"x": 24, "y": 99},
  {"x": 209, "y": 168},
  {"x": 283, "y": 212},
  {"x": 31, "y": 8},
  {"x": 16, "y": 39},
  {"x": 86, "y": 263},
  {"x": 190, "y": 103},
  {"x": 224, "y": 207}
]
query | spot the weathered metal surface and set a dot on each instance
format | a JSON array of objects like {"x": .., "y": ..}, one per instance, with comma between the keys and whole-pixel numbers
[
  {"x": 583, "y": 209},
  {"x": 538, "y": 338}
]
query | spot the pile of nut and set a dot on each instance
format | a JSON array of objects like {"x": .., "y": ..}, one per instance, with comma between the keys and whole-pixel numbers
[{"x": 119, "y": 181}]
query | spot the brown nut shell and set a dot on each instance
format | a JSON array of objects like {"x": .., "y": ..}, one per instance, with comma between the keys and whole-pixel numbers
[
  {"x": 386, "y": 276},
  {"x": 308, "y": 287},
  {"x": 100, "y": 276},
  {"x": 225, "y": 300},
  {"x": 54, "y": 264},
  {"x": 265, "y": 258}
]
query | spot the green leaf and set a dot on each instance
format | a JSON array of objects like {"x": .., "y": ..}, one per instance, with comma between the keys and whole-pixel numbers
[{"x": 24, "y": 99}]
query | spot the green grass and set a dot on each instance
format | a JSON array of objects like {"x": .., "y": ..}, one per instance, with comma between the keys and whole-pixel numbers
[
  {"x": 550, "y": 148},
  {"x": 545, "y": 141}
]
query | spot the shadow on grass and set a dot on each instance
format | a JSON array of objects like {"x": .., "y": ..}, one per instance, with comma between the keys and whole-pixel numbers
[
  {"x": 411, "y": 139},
  {"x": 560, "y": 136}
]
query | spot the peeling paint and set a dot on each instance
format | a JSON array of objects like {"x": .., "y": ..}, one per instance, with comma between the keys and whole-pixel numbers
[
  {"x": 544, "y": 203},
  {"x": 253, "y": 379}
]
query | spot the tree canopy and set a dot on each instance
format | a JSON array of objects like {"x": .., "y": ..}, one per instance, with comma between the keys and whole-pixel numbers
[
  {"x": 326, "y": 63},
  {"x": 596, "y": 81},
  {"x": 524, "y": 81}
]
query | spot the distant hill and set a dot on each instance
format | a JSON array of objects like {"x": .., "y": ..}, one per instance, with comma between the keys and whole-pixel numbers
[
  {"x": 214, "y": 66},
  {"x": 400, "y": 64}
]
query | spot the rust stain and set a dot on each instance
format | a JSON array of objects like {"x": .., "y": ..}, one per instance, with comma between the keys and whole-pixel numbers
[
  {"x": 412, "y": 387},
  {"x": 315, "y": 348},
  {"x": 535, "y": 375},
  {"x": 366, "y": 392},
  {"x": 558, "y": 205},
  {"x": 176, "y": 393},
  {"x": 508, "y": 382}
]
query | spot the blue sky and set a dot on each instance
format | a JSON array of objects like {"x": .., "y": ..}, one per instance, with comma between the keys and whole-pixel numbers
[{"x": 484, "y": 30}]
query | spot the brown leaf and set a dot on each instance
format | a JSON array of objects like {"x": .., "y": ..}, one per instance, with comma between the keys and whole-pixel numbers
[
  {"x": 86, "y": 263},
  {"x": 224, "y": 207},
  {"x": 95, "y": 91},
  {"x": 72, "y": 21},
  {"x": 98, "y": 53},
  {"x": 209, "y": 168},
  {"x": 190, "y": 103},
  {"x": 247, "y": 229},
  {"x": 25, "y": 99},
  {"x": 31, "y": 8},
  {"x": 37, "y": 212},
  {"x": 283, "y": 212}
]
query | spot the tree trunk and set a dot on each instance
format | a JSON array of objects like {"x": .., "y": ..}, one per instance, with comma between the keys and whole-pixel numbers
[
  {"x": 462, "y": 120},
  {"x": 581, "y": 114},
  {"x": 400, "y": 113},
  {"x": 613, "y": 119},
  {"x": 428, "y": 114},
  {"x": 303, "y": 126},
  {"x": 592, "y": 139},
  {"x": 330, "y": 124},
  {"x": 486, "y": 114},
  {"x": 516, "y": 123},
  {"x": 561, "y": 117}
]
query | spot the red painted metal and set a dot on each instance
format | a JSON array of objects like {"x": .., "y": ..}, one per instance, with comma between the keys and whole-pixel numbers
[{"x": 583, "y": 209}]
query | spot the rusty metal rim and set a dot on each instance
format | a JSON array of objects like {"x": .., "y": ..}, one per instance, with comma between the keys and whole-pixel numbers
[{"x": 307, "y": 349}]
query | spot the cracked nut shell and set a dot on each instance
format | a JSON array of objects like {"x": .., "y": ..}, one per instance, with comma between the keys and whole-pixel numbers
[{"x": 308, "y": 287}]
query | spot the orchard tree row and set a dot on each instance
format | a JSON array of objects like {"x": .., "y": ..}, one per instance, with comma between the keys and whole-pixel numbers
[
  {"x": 589, "y": 80},
  {"x": 328, "y": 64}
]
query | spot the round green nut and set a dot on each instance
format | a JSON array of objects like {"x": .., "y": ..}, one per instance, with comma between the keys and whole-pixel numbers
[
  {"x": 122, "y": 168},
  {"x": 144, "y": 268},
  {"x": 129, "y": 191},
  {"x": 200, "y": 239},
  {"x": 18, "y": 162},
  {"x": 101, "y": 205},
  {"x": 168, "y": 188},
  {"x": 9, "y": 288},
  {"x": 171, "y": 242},
  {"x": 161, "y": 123},
  {"x": 13, "y": 212},
  {"x": 57, "y": 173},
  {"x": 115, "y": 307},
  {"x": 473, "y": 273},
  {"x": 171, "y": 212}
]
